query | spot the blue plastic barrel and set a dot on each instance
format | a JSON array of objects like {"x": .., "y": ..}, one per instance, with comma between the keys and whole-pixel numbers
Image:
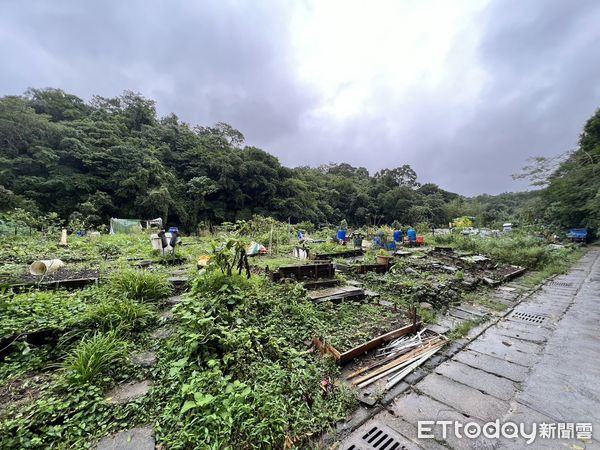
[
  {"x": 398, "y": 236},
  {"x": 412, "y": 235},
  {"x": 341, "y": 235}
]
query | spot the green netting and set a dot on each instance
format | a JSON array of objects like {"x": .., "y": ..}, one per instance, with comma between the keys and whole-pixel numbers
[{"x": 127, "y": 226}]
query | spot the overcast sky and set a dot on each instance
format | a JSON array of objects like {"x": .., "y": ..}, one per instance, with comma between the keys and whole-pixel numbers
[{"x": 463, "y": 91}]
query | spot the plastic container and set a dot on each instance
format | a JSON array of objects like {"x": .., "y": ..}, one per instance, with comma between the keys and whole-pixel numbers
[
  {"x": 45, "y": 266},
  {"x": 398, "y": 236},
  {"x": 341, "y": 235},
  {"x": 412, "y": 235}
]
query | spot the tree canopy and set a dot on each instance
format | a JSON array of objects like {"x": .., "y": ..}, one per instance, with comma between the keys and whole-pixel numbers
[{"x": 114, "y": 157}]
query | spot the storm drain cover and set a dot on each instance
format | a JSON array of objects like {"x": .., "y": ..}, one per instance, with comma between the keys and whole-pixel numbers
[
  {"x": 561, "y": 283},
  {"x": 533, "y": 318},
  {"x": 377, "y": 436}
]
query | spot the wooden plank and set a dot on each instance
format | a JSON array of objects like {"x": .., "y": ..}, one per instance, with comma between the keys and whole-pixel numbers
[
  {"x": 396, "y": 364},
  {"x": 376, "y": 342},
  {"x": 387, "y": 359},
  {"x": 336, "y": 293},
  {"x": 344, "y": 254},
  {"x": 75, "y": 283},
  {"x": 325, "y": 348},
  {"x": 364, "y": 268},
  {"x": 518, "y": 271}
]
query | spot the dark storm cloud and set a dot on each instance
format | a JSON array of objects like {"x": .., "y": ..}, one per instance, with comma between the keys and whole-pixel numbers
[
  {"x": 541, "y": 69},
  {"x": 234, "y": 62},
  {"x": 205, "y": 61},
  {"x": 544, "y": 67}
]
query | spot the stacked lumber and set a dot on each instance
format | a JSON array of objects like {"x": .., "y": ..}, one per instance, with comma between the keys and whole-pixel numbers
[{"x": 399, "y": 358}]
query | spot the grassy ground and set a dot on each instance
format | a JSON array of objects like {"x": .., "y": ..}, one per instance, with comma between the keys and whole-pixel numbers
[{"x": 235, "y": 368}]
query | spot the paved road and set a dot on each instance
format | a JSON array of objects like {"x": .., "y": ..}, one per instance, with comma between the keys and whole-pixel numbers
[{"x": 540, "y": 364}]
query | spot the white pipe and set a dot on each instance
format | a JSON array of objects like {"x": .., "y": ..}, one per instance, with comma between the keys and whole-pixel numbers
[
  {"x": 45, "y": 266},
  {"x": 393, "y": 381}
]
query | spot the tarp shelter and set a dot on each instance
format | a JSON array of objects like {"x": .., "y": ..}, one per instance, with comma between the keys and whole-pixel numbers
[
  {"x": 255, "y": 249},
  {"x": 127, "y": 226},
  {"x": 154, "y": 223}
]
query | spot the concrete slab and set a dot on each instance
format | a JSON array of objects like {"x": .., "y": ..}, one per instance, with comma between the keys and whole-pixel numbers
[
  {"x": 161, "y": 333},
  {"x": 515, "y": 330},
  {"x": 128, "y": 392},
  {"x": 514, "y": 351},
  {"x": 144, "y": 359},
  {"x": 438, "y": 328},
  {"x": 175, "y": 300},
  {"x": 472, "y": 309},
  {"x": 499, "y": 387},
  {"x": 413, "y": 408},
  {"x": 462, "y": 314},
  {"x": 522, "y": 414},
  {"x": 449, "y": 322},
  {"x": 493, "y": 365},
  {"x": 139, "y": 438},
  {"x": 463, "y": 398},
  {"x": 570, "y": 367}
]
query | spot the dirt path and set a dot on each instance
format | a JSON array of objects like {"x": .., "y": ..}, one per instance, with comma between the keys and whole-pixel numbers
[{"x": 539, "y": 364}]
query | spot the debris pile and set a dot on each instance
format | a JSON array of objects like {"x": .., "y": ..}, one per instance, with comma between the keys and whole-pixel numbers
[{"x": 399, "y": 358}]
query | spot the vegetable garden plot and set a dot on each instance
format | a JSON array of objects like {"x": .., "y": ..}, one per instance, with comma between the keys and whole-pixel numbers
[{"x": 351, "y": 324}]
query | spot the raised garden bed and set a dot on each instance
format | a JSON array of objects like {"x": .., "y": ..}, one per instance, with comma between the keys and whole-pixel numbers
[
  {"x": 332, "y": 255},
  {"x": 349, "y": 355},
  {"x": 304, "y": 272},
  {"x": 64, "y": 274},
  {"x": 337, "y": 294},
  {"x": 75, "y": 283},
  {"x": 362, "y": 268}
]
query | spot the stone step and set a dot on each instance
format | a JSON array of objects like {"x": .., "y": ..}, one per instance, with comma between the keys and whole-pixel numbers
[
  {"x": 128, "y": 392},
  {"x": 139, "y": 438},
  {"x": 144, "y": 359}
]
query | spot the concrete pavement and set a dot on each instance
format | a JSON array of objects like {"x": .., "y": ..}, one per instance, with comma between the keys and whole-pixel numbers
[{"x": 539, "y": 364}]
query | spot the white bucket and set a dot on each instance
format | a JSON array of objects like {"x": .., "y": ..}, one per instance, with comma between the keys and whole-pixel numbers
[
  {"x": 156, "y": 242},
  {"x": 45, "y": 266}
]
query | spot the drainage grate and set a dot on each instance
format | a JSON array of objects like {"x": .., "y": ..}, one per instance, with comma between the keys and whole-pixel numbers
[
  {"x": 561, "y": 283},
  {"x": 534, "y": 318},
  {"x": 378, "y": 437}
]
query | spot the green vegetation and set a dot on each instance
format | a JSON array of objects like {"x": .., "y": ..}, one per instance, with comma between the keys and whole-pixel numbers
[
  {"x": 518, "y": 249},
  {"x": 235, "y": 368},
  {"x": 345, "y": 325},
  {"x": 570, "y": 194},
  {"x": 36, "y": 311},
  {"x": 463, "y": 329},
  {"x": 87, "y": 162},
  {"x": 94, "y": 356},
  {"x": 124, "y": 315},
  {"x": 141, "y": 285}
]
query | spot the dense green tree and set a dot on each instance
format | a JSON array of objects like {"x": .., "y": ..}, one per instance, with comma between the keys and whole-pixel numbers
[{"x": 115, "y": 157}]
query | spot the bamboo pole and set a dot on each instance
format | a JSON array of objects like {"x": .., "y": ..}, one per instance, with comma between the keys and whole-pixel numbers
[
  {"x": 398, "y": 361},
  {"x": 414, "y": 358}
]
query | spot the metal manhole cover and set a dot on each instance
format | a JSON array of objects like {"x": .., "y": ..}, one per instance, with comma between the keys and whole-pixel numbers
[
  {"x": 561, "y": 283},
  {"x": 377, "y": 437},
  {"x": 533, "y": 318}
]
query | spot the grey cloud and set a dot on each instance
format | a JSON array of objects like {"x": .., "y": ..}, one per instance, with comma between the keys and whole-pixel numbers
[{"x": 233, "y": 62}]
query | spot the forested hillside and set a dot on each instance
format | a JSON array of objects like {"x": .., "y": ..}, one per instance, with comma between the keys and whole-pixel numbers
[{"x": 116, "y": 157}]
